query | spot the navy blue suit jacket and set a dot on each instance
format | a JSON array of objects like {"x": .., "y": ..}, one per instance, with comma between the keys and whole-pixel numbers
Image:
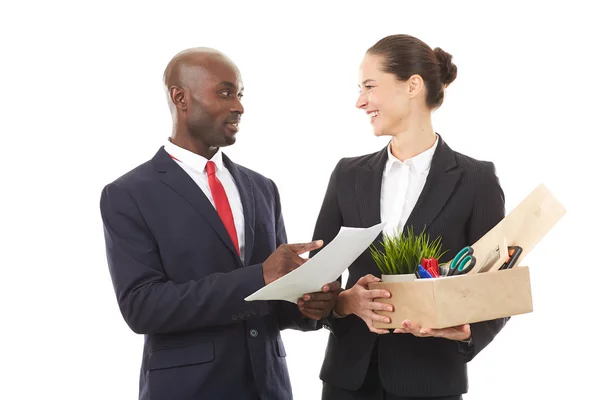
[{"x": 179, "y": 281}]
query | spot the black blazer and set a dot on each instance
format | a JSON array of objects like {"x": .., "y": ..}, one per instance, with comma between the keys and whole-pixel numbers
[
  {"x": 461, "y": 201},
  {"x": 179, "y": 281}
]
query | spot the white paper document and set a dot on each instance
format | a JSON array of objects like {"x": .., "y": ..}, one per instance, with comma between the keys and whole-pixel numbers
[{"x": 326, "y": 266}]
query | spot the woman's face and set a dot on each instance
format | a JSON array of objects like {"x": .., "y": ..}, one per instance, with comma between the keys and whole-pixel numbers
[{"x": 384, "y": 97}]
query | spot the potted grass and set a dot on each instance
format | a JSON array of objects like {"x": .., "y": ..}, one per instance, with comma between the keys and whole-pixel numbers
[{"x": 402, "y": 253}]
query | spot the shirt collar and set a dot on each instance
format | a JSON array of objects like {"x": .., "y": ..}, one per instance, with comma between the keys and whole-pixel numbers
[
  {"x": 193, "y": 160},
  {"x": 421, "y": 162}
]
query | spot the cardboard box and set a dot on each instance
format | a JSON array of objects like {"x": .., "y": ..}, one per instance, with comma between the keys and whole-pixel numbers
[
  {"x": 479, "y": 296},
  {"x": 456, "y": 300}
]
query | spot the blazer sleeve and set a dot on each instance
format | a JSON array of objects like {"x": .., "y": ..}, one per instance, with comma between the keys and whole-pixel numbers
[
  {"x": 288, "y": 314},
  {"x": 329, "y": 222},
  {"x": 149, "y": 302},
  {"x": 488, "y": 210}
]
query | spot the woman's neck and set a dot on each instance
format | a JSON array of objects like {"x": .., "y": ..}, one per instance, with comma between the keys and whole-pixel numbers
[{"x": 416, "y": 137}]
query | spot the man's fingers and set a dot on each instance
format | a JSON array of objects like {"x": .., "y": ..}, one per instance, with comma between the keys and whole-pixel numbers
[
  {"x": 300, "y": 248},
  {"x": 316, "y": 305},
  {"x": 314, "y": 311},
  {"x": 309, "y": 314},
  {"x": 329, "y": 291},
  {"x": 319, "y": 296},
  {"x": 332, "y": 287},
  {"x": 296, "y": 259}
]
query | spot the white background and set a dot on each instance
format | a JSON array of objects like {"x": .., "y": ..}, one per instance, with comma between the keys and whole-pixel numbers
[{"x": 82, "y": 103}]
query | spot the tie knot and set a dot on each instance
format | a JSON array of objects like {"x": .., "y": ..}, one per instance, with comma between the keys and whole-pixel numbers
[{"x": 211, "y": 167}]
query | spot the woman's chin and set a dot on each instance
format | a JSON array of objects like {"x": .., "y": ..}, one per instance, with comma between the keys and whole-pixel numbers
[{"x": 379, "y": 132}]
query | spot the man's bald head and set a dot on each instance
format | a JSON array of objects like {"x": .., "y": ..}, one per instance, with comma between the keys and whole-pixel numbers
[
  {"x": 204, "y": 89},
  {"x": 180, "y": 70}
]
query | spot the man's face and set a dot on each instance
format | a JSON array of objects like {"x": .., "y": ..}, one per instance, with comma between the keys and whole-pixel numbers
[{"x": 214, "y": 103}]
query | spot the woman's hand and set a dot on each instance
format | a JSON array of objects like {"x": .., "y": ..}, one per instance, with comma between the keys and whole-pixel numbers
[
  {"x": 460, "y": 333},
  {"x": 358, "y": 300}
]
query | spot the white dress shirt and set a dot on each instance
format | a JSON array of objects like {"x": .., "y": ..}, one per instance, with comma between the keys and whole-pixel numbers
[
  {"x": 194, "y": 165},
  {"x": 401, "y": 186}
]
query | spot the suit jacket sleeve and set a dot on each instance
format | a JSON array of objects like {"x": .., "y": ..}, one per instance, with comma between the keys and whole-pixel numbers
[
  {"x": 149, "y": 302},
  {"x": 327, "y": 227},
  {"x": 488, "y": 210},
  {"x": 288, "y": 315}
]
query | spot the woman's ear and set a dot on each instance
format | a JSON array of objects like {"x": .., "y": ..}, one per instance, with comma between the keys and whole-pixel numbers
[{"x": 415, "y": 85}]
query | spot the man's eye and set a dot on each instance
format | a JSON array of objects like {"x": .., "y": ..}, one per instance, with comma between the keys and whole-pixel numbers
[
  {"x": 368, "y": 87},
  {"x": 226, "y": 93},
  {"x": 240, "y": 96}
]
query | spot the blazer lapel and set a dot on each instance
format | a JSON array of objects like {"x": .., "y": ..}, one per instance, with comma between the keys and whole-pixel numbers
[
  {"x": 368, "y": 190},
  {"x": 244, "y": 185},
  {"x": 441, "y": 181},
  {"x": 178, "y": 180}
]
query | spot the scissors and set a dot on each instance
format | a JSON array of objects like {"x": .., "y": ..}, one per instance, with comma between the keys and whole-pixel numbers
[
  {"x": 513, "y": 254},
  {"x": 463, "y": 262}
]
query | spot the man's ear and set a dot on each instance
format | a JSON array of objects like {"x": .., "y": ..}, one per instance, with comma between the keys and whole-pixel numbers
[{"x": 178, "y": 97}]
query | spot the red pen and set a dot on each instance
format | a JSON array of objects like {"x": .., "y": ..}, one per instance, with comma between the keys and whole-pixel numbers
[{"x": 431, "y": 265}]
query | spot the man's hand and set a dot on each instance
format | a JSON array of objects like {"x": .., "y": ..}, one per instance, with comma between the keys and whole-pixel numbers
[
  {"x": 461, "y": 332},
  {"x": 318, "y": 305},
  {"x": 359, "y": 301},
  {"x": 286, "y": 258}
]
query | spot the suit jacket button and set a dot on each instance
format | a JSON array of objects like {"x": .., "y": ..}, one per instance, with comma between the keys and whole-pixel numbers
[
  {"x": 234, "y": 317},
  {"x": 253, "y": 332},
  {"x": 254, "y": 311},
  {"x": 247, "y": 313},
  {"x": 241, "y": 315}
]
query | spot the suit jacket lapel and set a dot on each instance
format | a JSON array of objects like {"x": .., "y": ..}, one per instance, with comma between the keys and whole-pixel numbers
[
  {"x": 440, "y": 184},
  {"x": 178, "y": 180},
  {"x": 368, "y": 190},
  {"x": 244, "y": 185}
]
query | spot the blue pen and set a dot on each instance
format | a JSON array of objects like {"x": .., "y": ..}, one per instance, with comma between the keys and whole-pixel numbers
[{"x": 423, "y": 273}]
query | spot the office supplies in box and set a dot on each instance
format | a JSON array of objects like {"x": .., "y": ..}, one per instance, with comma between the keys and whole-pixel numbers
[{"x": 486, "y": 291}]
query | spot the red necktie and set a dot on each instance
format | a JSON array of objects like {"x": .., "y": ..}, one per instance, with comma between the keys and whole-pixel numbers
[{"x": 221, "y": 203}]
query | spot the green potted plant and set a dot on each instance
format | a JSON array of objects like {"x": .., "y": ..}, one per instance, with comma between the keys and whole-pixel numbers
[{"x": 402, "y": 253}]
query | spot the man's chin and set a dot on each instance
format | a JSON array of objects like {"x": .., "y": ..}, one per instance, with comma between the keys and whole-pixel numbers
[{"x": 229, "y": 140}]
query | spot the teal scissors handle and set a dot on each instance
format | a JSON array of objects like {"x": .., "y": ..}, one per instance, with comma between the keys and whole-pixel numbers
[{"x": 463, "y": 262}]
